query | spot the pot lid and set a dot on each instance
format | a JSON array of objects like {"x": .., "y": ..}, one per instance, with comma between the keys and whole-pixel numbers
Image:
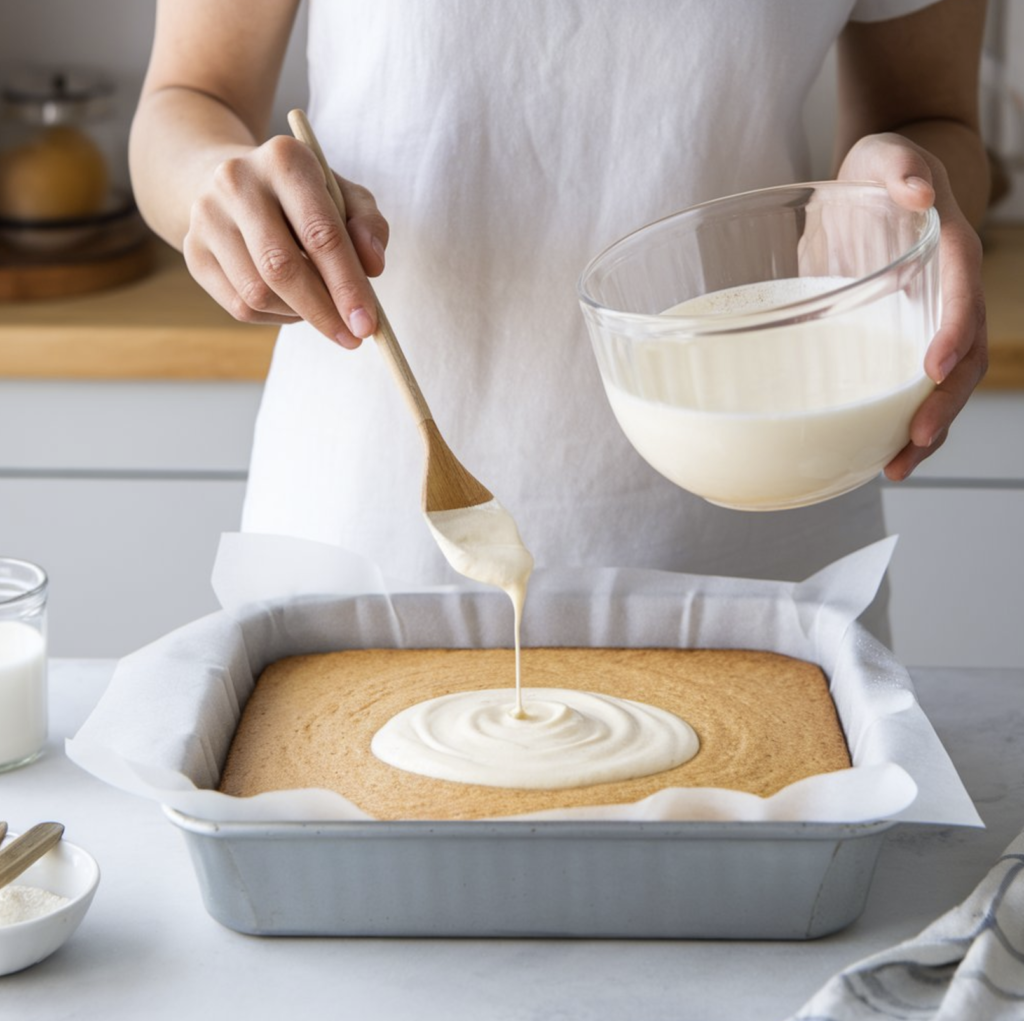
[{"x": 57, "y": 95}]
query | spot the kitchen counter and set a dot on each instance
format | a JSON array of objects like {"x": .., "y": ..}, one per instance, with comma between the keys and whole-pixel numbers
[
  {"x": 167, "y": 327},
  {"x": 148, "y": 949}
]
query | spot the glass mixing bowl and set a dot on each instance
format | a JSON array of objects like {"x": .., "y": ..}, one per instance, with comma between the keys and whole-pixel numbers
[{"x": 766, "y": 350}]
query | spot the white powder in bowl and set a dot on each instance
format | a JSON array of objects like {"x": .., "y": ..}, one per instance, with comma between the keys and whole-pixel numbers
[{"x": 22, "y": 903}]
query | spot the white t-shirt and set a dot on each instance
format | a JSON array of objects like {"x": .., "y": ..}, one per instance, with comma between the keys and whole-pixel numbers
[{"x": 508, "y": 143}]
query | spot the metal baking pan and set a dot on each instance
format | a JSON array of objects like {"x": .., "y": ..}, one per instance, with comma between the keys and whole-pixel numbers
[
  {"x": 706, "y": 880},
  {"x": 751, "y": 879}
]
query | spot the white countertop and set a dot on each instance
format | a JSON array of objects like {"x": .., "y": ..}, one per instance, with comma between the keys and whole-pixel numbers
[{"x": 148, "y": 950}]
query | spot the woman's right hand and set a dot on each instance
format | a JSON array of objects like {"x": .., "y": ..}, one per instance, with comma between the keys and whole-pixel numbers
[{"x": 267, "y": 242}]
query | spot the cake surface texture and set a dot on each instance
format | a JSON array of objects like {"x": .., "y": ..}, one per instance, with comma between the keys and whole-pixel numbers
[{"x": 764, "y": 721}]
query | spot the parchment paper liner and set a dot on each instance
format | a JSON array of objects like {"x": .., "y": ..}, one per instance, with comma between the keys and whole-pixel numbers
[{"x": 163, "y": 728}]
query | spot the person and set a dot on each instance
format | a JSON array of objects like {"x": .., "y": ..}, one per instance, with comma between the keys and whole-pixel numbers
[{"x": 509, "y": 144}]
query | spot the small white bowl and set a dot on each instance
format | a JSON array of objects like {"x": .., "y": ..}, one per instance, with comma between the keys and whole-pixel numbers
[{"x": 65, "y": 870}]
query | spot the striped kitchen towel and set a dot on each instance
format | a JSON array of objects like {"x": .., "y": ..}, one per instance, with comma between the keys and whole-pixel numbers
[{"x": 967, "y": 965}]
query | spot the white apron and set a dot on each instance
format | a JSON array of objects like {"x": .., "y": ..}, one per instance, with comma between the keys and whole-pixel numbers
[{"x": 508, "y": 142}]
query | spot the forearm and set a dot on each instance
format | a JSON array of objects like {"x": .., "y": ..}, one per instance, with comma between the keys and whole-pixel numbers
[
  {"x": 178, "y": 138},
  {"x": 251, "y": 214},
  {"x": 207, "y": 96}
]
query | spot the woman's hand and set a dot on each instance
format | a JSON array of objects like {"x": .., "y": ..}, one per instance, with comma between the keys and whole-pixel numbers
[
  {"x": 958, "y": 355},
  {"x": 267, "y": 242}
]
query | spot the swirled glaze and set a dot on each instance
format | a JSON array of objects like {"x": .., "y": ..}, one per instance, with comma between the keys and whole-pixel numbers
[
  {"x": 557, "y": 737},
  {"x": 563, "y": 738}
]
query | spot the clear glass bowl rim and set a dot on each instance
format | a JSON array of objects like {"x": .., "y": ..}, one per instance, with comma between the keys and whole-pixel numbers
[{"x": 835, "y": 300}]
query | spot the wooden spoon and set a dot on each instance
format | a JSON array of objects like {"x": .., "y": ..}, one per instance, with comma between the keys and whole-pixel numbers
[
  {"x": 447, "y": 485},
  {"x": 477, "y": 536},
  {"x": 25, "y": 850}
]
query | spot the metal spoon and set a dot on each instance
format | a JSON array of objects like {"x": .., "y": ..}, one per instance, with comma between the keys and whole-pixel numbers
[{"x": 27, "y": 849}]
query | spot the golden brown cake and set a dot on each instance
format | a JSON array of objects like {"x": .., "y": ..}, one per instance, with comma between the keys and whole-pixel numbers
[{"x": 764, "y": 720}]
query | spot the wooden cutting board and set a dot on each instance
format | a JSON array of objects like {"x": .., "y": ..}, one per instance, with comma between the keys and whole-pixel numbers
[
  {"x": 112, "y": 256},
  {"x": 33, "y": 283}
]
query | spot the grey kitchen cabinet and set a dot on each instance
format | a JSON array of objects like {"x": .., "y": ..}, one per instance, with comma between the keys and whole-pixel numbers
[
  {"x": 121, "y": 492},
  {"x": 957, "y": 574}
]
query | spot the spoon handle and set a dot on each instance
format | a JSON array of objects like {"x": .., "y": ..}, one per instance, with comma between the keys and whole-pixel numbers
[
  {"x": 23, "y": 851},
  {"x": 385, "y": 336}
]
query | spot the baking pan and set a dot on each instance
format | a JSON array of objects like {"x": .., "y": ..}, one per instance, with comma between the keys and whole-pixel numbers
[
  {"x": 264, "y": 867},
  {"x": 609, "y": 879}
]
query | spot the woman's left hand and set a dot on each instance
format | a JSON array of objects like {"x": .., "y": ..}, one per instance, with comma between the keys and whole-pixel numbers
[{"x": 958, "y": 355}]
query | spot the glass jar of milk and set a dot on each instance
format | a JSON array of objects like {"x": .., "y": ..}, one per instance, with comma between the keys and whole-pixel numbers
[{"x": 23, "y": 703}]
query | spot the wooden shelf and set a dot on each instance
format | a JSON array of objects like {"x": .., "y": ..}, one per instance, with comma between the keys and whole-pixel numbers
[{"x": 164, "y": 326}]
